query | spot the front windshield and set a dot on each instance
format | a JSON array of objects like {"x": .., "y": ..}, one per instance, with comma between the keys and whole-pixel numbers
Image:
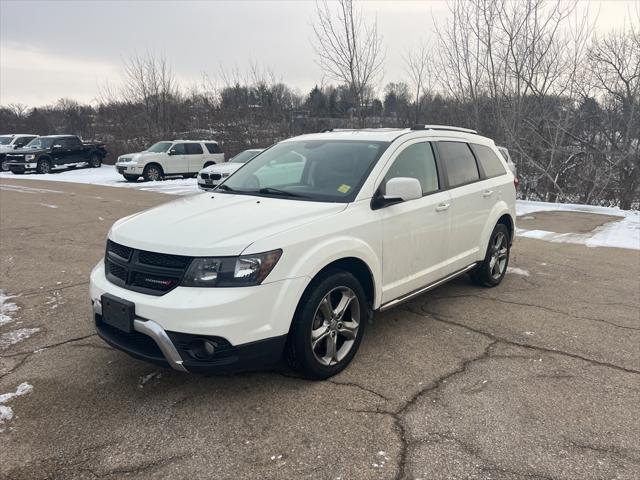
[
  {"x": 159, "y": 147},
  {"x": 5, "y": 140},
  {"x": 41, "y": 142},
  {"x": 244, "y": 157},
  {"x": 321, "y": 170}
]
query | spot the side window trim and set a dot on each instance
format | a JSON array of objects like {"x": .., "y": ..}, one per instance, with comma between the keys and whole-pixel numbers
[
  {"x": 444, "y": 164},
  {"x": 483, "y": 174}
]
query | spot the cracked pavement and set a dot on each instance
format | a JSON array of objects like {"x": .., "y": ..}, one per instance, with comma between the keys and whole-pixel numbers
[{"x": 538, "y": 378}]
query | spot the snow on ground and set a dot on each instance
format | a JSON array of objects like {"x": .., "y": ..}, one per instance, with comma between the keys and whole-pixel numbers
[
  {"x": 518, "y": 271},
  {"x": 16, "y": 336},
  {"x": 6, "y": 413},
  {"x": 107, "y": 176},
  {"x": 622, "y": 234},
  {"x": 6, "y": 308}
]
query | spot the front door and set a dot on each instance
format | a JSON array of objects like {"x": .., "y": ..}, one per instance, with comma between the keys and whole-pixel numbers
[
  {"x": 177, "y": 160},
  {"x": 414, "y": 233}
]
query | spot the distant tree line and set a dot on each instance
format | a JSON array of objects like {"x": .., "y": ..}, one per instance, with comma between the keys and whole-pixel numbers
[{"x": 532, "y": 75}]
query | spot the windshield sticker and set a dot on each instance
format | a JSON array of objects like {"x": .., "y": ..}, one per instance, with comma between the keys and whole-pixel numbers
[{"x": 344, "y": 188}]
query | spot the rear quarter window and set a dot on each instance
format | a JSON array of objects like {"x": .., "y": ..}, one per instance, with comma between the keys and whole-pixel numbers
[
  {"x": 213, "y": 147},
  {"x": 193, "y": 148},
  {"x": 459, "y": 162},
  {"x": 489, "y": 161}
]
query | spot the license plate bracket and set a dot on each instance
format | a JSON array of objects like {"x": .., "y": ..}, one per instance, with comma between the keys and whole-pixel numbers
[
  {"x": 117, "y": 312},
  {"x": 208, "y": 182}
]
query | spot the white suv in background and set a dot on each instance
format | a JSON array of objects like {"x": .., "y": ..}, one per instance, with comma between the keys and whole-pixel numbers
[
  {"x": 211, "y": 176},
  {"x": 10, "y": 142},
  {"x": 295, "y": 251},
  {"x": 177, "y": 157}
]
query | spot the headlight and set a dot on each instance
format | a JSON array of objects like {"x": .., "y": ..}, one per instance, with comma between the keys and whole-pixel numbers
[
  {"x": 29, "y": 157},
  {"x": 243, "y": 271}
]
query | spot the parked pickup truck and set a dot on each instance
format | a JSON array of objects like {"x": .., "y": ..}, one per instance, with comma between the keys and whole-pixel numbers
[{"x": 43, "y": 153}]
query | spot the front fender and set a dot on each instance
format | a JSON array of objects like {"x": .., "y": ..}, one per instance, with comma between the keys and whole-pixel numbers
[{"x": 311, "y": 260}]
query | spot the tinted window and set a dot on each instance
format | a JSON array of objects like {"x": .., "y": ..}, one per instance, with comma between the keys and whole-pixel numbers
[
  {"x": 459, "y": 162},
  {"x": 193, "y": 148},
  {"x": 5, "y": 140},
  {"x": 23, "y": 140},
  {"x": 178, "y": 149},
  {"x": 213, "y": 147},
  {"x": 416, "y": 161},
  {"x": 489, "y": 161},
  {"x": 72, "y": 142}
]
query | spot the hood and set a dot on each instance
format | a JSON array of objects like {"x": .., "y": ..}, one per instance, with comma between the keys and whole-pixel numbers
[
  {"x": 22, "y": 151},
  {"x": 226, "y": 167},
  {"x": 216, "y": 225},
  {"x": 137, "y": 155}
]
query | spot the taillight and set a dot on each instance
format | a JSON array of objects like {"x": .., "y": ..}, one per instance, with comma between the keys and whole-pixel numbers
[{"x": 516, "y": 182}]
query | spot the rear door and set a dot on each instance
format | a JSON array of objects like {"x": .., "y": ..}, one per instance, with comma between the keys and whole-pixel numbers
[
  {"x": 414, "y": 233},
  {"x": 195, "y": 156},
  {"x": 469, "y": 206},
  {"x": 75, "y": 150},
  {"x": 177, "y": 160}
]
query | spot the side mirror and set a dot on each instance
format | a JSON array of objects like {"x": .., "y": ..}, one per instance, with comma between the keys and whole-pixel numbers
[
  {"x": 171, "y": 152},
  {"x": 399, "y": 189},
  {"x": 57, "y": 147}
]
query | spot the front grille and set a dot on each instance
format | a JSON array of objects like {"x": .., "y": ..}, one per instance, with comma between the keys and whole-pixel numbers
[
  {"x": 142, "y": 271},
  {"x": 216, "y": 176},
  {"x": 15, "y": 158},
  {"x": 204, "y": 176}
]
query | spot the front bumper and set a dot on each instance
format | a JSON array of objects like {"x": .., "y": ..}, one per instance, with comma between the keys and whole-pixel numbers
[
  {"x": 249, "y": 325},
  {"x": 128, "y": 169},
  {"x": 207, "y": 186},
  {"x": 21, "y": 166}
]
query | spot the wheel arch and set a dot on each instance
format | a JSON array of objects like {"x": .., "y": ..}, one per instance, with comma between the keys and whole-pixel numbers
[
  {"x": 154, "y": 164},
  {"x": 359, "y": 269},
  {"x": 501, "y": 213},
  {"x": 208, "y": 163}
]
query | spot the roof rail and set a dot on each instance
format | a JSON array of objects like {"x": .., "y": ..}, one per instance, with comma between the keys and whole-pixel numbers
[{"x": 443, "y": 127}]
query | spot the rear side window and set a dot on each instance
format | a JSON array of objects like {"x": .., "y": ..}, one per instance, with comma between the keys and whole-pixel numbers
[
  {"x": 459, "y": 162},
  {"x": 193, "y": 148},
  {"x": 213, "y": 147},
  {"x": 416, "y": 161},
  {"x": 489, "y": 161}
]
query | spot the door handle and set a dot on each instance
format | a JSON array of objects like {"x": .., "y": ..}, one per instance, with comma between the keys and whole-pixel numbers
[
  {"x": 442, "y": 207},
  {"x": 487, "y": 193}
]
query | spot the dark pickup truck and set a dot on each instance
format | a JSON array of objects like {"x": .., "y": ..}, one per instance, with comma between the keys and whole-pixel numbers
[{"x": 44, "y": 153}]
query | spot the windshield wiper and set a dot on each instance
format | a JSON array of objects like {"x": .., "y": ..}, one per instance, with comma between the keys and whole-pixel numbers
[
  {"x": 277, "y": 191},
  {"x": 224, "y": 187}
]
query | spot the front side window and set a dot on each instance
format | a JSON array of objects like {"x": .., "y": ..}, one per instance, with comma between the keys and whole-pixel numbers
[
  {"x": 416, "y": 161},
  {"x": 23, "y": 140},
  {"x": 159, "y": 147},
  {"x": 193, "y": 148},
  {"x": 489, "y": 161},
  {"x": 41, "y": 142},
  {"x": 178, "y": 149},
  {"x": 459, "y": 162},
  {"x": 320, "y": 170}
]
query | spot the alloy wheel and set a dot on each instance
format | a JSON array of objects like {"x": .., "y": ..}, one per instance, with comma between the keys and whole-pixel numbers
[
  {"x": 499, "y": 252},
  {"x": 335, "y": 326}
]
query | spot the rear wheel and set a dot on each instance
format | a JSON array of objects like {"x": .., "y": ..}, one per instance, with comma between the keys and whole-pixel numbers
[
  {"x": 152, "y": 173},
  {"x": 131, "y": 178},
  {"x": 328, "y": 325},
  {"x": 95, "y": 161},
  {"x": 44, "y": 166},
  {"x": 492, "y": 270}
]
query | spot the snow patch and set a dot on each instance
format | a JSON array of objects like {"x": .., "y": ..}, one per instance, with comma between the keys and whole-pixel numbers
[
  {"x": 23, "y": 189},
  {"x": 621, "y": 234},
  {"x": 16, "y": 336},
  {"x": 6, "y": 413},
  {"x": 48, "y": 205},
  {"x": 518, "y": 271},
  {"x": 6, "y": 308},
  {"x": 145, "y": 378}
]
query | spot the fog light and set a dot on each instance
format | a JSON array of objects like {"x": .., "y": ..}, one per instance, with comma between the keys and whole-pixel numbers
[{"x": 202, "y": 349}]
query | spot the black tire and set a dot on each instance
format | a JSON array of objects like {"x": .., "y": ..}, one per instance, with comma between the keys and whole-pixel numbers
[
  {"x": 208, "y": 164},
  {"x": 17, "y": 172},
  {"x": 152, "y": 173},
  {"x": 3, "y": 165},
  {"x": 491, "y": 272},
  {"x": 131, "y": 178},
  {"x": 299, "y": 352},
  {"x": 95, "y": 161},
  {"x": 44, "y": 166}
]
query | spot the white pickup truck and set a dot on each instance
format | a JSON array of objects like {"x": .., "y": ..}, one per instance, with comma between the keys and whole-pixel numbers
[{"x": 176, "y": 157}]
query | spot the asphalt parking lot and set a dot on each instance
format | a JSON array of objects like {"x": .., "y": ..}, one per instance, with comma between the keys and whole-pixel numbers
[{"x": 536, "y": 379}]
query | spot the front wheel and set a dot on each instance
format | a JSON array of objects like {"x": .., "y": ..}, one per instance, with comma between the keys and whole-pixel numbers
[
  {"x": 3, "y": 165},
  {"x": 44, "y": 166},
  {"x": 328, "y": 325},
  {"x": 131, "y": 178},
  {"x": 95, "y": 161},
  {"x": 492, "y": 270},
  {"x": 152, "y": 173}
]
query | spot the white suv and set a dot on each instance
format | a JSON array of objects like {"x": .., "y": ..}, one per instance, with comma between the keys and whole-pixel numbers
[
  {"x": 177, "y": 157},
  {"x": 295, "y": 251},
  {"x": 10, "y": 142}
]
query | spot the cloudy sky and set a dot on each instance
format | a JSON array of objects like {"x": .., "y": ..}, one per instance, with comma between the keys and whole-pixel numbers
[{"x": 52, "y": 49}]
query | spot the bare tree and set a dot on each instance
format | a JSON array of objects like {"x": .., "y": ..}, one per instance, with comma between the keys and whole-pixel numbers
[
  {"x": 348, "y": 49},
  {"x": 419, "y": 68}
]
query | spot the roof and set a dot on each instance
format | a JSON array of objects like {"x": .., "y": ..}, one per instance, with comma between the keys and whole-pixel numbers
[
  {"x": 390, "y": 134},
  {"x": 18, "y": 135},
  {"x": 188, "y": 140}
]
